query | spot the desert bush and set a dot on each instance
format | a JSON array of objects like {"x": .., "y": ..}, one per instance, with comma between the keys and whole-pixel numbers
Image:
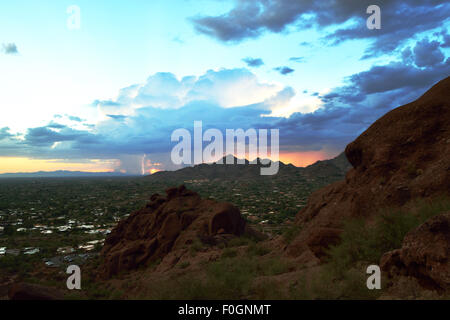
[
  {"x": 229, "y": 278},
  {"x": 229, "y": 253},
  {"x": 363, "y": 243},
  {"x": 273, "y": 267},
  {"x": 257, "y": 250},
  {"x": 323, "y": 284},
  {"x": 195, "y": 247},
  {"x": 290, "y": 233},
  {"x": 268, "y": 289},
  {"x": 239, "y": 241},
  {"x": 184, "y": 264}
]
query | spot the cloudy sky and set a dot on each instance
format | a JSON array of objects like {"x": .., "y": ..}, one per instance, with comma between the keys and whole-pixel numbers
[{"x": 107, "y": 93}]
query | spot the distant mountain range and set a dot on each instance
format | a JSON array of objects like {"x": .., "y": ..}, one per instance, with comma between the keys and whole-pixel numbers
[
  {"x": 61, "y": 174},
  {"x": 333, "y": 169}
]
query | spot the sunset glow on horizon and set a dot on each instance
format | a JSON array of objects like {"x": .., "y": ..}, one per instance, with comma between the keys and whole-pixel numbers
[
  {"x": 27, "y": 165},
  {"x": 91, "y": 94},
  {"x": 304, "y": 159}
]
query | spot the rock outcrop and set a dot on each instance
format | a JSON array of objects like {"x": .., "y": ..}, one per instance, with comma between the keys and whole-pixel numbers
[
  {"x": 401, "y": 157},
  {"x": 424, "y": 255},
  {"x": 167, "y": 224}
]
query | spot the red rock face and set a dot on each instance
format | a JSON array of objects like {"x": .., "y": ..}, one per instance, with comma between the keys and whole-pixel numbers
[
  {"x": 424, "y": 255},
  {"x": 403, "y": 156},
  {"x": 167, "y": 224}
]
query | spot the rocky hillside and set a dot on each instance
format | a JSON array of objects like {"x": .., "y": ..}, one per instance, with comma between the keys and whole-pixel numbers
[
  {"x": 402, "y": 157},
  {"x": 167, "y": 225},
  {"x": 332, "y": 170}
]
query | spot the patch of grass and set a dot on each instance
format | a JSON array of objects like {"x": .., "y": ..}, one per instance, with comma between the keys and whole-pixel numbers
[
  {"x": 152, "y": 264},
  {"x": 196, "y": 246},
  {"x": 230, "y": 278},
  {"x": 239, "y": 241},
  {"x": 344, "y": 276},
  {"x": 363, "y": 243},
  {"x": 184, "y": 264},
  {"x": 273, "y": 267},
  {"x": 411, "y": 170},
  {"x": 116, "y": 295},
  {"x": 98, "y": 293},
  {"x": 74, "y": 296},
  {"x": 291, "y": 233},
  {"x": 323, "y": 285},
  {"x": 268, "y": 289},
  {"x": 229, "y": 253},
  {"x": 257, "y": 250}
]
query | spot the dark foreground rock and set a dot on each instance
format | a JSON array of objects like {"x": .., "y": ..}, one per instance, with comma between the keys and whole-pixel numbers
[
  {"x": 26, "y": 291},
  {"x": 424, "y": 255},
  {"x": 167, "y": 224}
]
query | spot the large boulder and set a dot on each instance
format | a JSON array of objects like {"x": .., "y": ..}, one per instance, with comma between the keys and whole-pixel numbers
[
  {"x": 424, "y": 255},
  {"x": 167, "y": 224},
  {"x": 403, "y": 156}
]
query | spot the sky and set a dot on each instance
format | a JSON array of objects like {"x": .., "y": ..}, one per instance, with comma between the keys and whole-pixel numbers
[{"x": 101, "y": 85}]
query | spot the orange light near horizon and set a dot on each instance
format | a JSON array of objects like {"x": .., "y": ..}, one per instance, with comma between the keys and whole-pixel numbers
[
  {"x": 296, "y": 158},
  {"x": 303, "y": 159},
  {"x": 152, "y": 171},
  {"x": 27, "y": 165}
]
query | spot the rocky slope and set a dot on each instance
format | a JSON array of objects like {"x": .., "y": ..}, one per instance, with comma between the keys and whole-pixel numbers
[
  {"x": 424, "y": 255},
  {"x": 166, "y": 225},
  {"x": 402, "y": 157}
]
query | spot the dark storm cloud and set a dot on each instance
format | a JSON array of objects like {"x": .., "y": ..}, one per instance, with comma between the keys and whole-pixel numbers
[
  {"x": 394, "y": 76},
  {"x": 428, "y": 53},
  {"x": 251, "y": 62},
  {"x": 400, "y": 20},
  {"x": 47, "y": 136},
  {"x": 284, "y": 70}
]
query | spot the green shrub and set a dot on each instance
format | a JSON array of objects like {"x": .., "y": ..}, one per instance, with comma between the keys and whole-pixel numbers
[
  {"x": 196, "y": 246},
  {"x": 229, "y": 278},
  {"x": 268, "y": 289},
  {"x": 116, "y": 295},
  {"x": 323, "y": 285},
  {"x": 257, "y": 250},
  {"x": 291, "y": 233},
  {"x": 363, "y": 243},
  {"x": 239, "y": 241},
  {"x": 273, "y": 267},
  {"x": 184, "y": 264},
  {"x": 229, "y": 253}
]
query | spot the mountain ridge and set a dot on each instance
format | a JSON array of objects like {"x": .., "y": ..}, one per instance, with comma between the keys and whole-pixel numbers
[{"x": 336, "y": 167}]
